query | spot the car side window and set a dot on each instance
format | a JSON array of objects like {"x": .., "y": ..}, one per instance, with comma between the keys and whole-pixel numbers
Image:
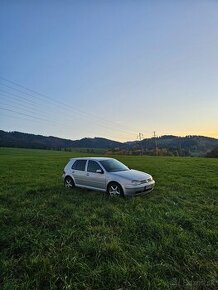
[
  {"x": 79, "y": 165},
  {"x": 93, "y": 166}
]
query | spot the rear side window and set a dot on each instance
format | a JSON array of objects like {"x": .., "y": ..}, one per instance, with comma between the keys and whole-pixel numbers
[
  {"x": 93, "y": 166},
  {"x": 79, "y": 165}
]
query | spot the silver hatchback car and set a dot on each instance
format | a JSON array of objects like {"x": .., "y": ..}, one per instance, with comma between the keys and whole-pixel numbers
[{"x": 107, "y": 175}]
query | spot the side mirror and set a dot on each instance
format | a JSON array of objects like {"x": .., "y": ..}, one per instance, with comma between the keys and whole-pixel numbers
[{"x": 99, "y": 171}]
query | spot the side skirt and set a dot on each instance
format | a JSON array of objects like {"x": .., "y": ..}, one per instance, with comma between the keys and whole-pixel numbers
[{"x": 90, "y": 187}]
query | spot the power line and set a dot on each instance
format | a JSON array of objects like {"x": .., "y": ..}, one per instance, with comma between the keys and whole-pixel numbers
[
  {"x": 16, "y": 103},
  {"x": 57, "y": 102},
  {"x": 29, "y": 113},
  {"x": 99, "y": 124},
  {"x": 30, "y": 116},
  {"x": 19, "y": 99},
  {"x": 9, "y": 94},
  {"x": 41, "y": 113},
  {"x": 20, "y": 113},
  {"x": 23, "y": 100},
  {"x": 33, "y": 118}
]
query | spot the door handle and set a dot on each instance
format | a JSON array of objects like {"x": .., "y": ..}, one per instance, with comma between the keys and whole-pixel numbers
[
  {"x": 87, "y": 174},
  {"x": 73, "y": 171}
]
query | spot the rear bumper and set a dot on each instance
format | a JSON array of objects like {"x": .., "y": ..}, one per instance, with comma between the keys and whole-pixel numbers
[{"x": 139, "y": 189}]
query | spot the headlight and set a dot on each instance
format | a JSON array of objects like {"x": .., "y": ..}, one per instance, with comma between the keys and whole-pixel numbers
[{"x": 136, "y": 182}]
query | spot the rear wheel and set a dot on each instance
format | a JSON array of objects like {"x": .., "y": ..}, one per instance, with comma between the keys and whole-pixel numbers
[
  {"x": 68, "y": 182},
  {"x": 114, "y": 189}
]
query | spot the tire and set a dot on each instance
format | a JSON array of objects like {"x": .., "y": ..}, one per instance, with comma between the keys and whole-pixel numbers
[
  {"x": 68, "y": 182},
  {"x": 114, "y": 189}
]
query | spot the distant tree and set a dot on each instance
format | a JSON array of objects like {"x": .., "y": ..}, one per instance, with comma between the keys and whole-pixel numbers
[{"x": 213, "y": 153}]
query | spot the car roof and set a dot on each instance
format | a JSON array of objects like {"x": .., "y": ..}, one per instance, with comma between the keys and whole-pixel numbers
[{"x": 91, "y": 158}]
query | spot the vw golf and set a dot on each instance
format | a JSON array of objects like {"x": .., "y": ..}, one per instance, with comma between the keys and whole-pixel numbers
[{"x": 108, "y": 175}]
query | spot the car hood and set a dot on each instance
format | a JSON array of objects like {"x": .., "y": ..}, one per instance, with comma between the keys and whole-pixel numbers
[{"x": 132, "y": 174}]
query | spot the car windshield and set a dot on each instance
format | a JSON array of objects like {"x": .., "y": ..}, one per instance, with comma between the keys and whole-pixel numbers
[{"x": 112, "y": 165}]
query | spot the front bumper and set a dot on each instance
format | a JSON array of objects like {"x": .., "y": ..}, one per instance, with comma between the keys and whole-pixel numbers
[{"x": 134, "y": 190}]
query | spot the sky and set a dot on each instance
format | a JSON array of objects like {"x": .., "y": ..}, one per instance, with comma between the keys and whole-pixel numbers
[{"x": 110, "y": 69}]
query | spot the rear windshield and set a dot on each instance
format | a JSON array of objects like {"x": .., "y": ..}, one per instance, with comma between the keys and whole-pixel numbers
[{"x": 112, "y": 165}]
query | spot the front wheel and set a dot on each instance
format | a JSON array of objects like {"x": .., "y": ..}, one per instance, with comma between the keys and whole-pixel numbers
[
  {"x": 68, "y": 182},
  {"x": 114, "y": 189}
]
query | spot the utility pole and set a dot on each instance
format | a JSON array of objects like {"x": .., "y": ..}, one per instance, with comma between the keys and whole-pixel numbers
[
  {"x": 155, "y": 141},
  {"x": 140, "y": 137}
]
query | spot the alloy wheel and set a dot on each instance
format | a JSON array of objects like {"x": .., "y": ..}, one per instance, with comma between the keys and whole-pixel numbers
[
  {"x": 68, "y": 183},
  {"x": 114, "y": 190}
]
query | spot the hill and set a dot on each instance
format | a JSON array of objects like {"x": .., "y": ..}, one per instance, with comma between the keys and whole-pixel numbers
[
  {"x": 164, "y": 145},
  {"x": 25, "y": 140},
  {"x": 182, "y": 146}
]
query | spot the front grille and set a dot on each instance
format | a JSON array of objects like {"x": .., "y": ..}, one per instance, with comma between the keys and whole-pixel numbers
[{"x": 143, "y": 181}]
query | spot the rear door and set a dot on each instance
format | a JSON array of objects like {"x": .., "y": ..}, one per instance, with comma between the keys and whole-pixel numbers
[
  {"x": 78, "y": 171},
  {"x": 95, "y": 175}
]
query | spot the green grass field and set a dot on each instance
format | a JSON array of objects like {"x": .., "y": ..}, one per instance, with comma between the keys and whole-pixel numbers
[{"x": 54, "y": 238}]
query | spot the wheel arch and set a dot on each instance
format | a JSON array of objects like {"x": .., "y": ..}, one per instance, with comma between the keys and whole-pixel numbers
[
  {"x": 68, "y": 175},
  {"x": 114, "y": 181}
]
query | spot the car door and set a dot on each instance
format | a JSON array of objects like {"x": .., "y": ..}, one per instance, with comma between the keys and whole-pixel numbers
[
  {"x": 78, "y": 172},
  {"x": 95, "y": 175}
]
